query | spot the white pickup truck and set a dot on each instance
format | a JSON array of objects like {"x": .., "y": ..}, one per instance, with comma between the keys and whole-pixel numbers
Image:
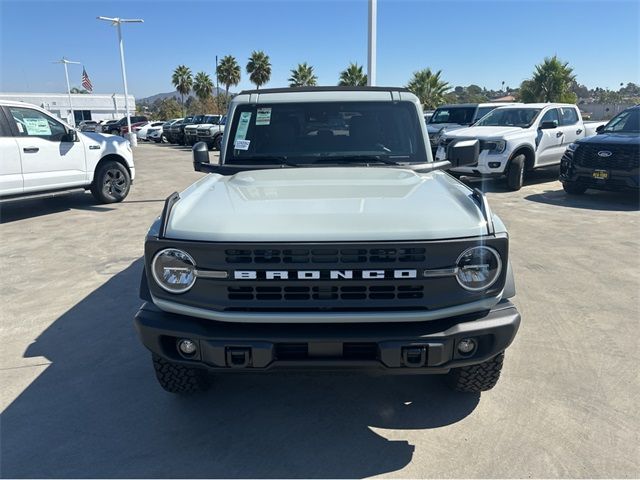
[
  {"x": 42, "y": 155},
  {"x": 520, "y": 137}
]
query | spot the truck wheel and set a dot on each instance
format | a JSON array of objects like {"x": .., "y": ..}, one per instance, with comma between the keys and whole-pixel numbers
[
  {"x": 515, "y": 174},
  {"x": 573, "y": 188},
  {"x": 217, "y": 143},
  {"x": 176, "y": 378},
  {"x": 111, "y": 183},
  {"x": 476, "y": 378}
]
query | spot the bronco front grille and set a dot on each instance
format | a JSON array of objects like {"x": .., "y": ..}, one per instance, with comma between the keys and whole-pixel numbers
[
  {"x": 623, "y": 157},
  {"x": 325, "y": 255},
  {"x": 328, "y": 292}
]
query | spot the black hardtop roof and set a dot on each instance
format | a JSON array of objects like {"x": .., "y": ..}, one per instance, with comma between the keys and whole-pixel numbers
[{"x": 325, "y": 89}]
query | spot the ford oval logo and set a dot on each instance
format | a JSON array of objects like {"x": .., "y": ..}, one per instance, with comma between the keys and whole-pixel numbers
[{"x": 604, "y": 153}]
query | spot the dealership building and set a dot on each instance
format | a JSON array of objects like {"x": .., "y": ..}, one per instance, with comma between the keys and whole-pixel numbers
[{"x": 89, "y": 106}]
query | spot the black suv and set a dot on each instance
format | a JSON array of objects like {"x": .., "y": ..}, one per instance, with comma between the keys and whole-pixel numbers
[
  {"x": 606, "y": 161},
  {"x": 177, "y": 129},
  {"x": 114, "y": 128}
]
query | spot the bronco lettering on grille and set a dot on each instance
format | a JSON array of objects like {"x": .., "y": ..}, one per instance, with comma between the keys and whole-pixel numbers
[{"x": 323, "y": 274}]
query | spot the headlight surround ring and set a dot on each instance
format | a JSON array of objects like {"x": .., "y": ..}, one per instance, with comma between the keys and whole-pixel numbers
[
  {"x": 495, "y": 264},
  {"x": 182, "y": 268}
]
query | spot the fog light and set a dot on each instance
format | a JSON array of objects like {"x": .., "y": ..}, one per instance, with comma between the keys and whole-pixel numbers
[
  {"x": 466, "y": 345},
  {"x": 494, "y": 164},
  {"x": 187, "y": 347}
]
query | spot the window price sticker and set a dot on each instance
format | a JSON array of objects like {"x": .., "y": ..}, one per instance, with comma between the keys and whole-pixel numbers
[{"x": 263, "y": 116}]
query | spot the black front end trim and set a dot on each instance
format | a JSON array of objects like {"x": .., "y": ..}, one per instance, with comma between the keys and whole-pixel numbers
[{"x": 417, "y": 347}]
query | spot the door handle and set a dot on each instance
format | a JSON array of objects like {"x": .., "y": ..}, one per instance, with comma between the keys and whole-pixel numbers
[
  {"x": 559, "y": 134},
  {"x": 30, "y": 149},
  {"x": 579, "y": 131}
]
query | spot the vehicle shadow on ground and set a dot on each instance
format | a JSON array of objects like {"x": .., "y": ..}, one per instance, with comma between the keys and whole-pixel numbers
[
  {"x": 23, "y": 209},
  {"x": 499, "y": 185},
  {"x": 97, "y": 411},
  {"x": 591, "y": 200}
]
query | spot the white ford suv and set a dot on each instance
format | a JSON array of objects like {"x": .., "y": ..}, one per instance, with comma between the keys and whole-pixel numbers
[{"x": 43, "y": 155}]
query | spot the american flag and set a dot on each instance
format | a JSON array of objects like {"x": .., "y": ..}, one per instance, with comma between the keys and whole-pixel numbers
[{"x": 86, "y": 83}]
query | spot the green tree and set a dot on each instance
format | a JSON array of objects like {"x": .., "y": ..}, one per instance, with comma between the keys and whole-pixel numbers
[
  {"x": 182, "y": 80},
  {"x": 259, "y": 68},
  {"x": 303, "y": 76},
  {"x": 203, "y": 86},
  {"x": 166, "y": 109},
  {"x": 552, "y": 81},
  {"x": 429, "y": 88},
  {"x": 353, "y": 76},
  {"x": 228, "y": 74}
]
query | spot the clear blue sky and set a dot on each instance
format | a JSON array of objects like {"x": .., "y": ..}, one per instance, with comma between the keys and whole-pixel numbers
[{"x": 481, "y": 42}]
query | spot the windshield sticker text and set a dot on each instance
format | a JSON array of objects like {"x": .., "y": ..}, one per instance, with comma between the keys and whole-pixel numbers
[
  {"x": 263, "y": 116},
  {"x": 242, "y": 144},
  {"x": 243, "y": 126}
]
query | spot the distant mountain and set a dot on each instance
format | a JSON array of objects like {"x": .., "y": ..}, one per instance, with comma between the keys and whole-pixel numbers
[{"x": 162, "y": 96}]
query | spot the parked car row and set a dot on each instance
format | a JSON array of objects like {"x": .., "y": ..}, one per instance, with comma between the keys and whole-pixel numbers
[{"x": 207, "y": 128}]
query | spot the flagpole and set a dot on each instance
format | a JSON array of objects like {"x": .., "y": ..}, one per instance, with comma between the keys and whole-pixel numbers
[{"x": 371, "y": 57}]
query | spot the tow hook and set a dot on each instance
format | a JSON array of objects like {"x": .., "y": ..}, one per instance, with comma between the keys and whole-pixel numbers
[
  {"x": 414, "y": 357},
  {"x": 238, "y": 357}
]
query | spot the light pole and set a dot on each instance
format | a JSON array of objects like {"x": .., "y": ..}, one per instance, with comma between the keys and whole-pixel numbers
[
  {"x": 371, "y": 57},
  {"x": 65, "y": 62},
  {"x": 117, "y": 22}
]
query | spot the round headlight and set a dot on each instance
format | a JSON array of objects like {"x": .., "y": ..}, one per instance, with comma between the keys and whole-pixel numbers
[
  {"x": 478, "y": 268},
  {"x": 174, "y": 270}
]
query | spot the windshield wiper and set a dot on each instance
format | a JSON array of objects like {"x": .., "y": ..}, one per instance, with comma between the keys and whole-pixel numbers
[
  {"x": 362, "y": 159},
  {"x": 282, "y": 159}
]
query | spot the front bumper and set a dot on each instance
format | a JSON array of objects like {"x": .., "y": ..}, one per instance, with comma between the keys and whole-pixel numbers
[
  {"x": 416, "y": 347},
  {"x": 489, "y": 164},
  {"x": 618, "y": 180}
]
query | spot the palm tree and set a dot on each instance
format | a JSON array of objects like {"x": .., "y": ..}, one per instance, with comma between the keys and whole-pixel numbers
[
  {"x": 259, "y": 68},
  {"x": 203, "y": 86},
  {"x": 228, "y": 73},
  {"x": 353, "y": 76},
  {"x": 429, "y": 88},
  {"x": 77, "y": 90},
  {"x": 302, "y": 76},
  {"x": 551, "y": 82},
  {"x": 183, "y": 81}
]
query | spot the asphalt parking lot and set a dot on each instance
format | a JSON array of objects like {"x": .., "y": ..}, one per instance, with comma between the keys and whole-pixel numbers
[{"x": 79, "y": 397}]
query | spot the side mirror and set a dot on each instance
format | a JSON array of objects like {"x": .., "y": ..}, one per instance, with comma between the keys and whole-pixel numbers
[
  {"x": 548, "y": 125},
  {"x": 600, "y": 128},
  {"x": 463, "y": 152},
  {"x": 70, "y": 136},
  {"x": 200, "y": 156}
]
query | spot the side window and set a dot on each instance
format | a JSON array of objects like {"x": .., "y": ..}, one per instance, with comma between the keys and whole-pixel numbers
[
  {"x": 32, "y": 123},
  {"x": 568, "y": 116},
  {"x": 550, "y": 116},
  {"x": 5, "y": 131}
]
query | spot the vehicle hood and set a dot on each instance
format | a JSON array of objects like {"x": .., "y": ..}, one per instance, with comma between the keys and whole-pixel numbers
[
  {"x": 485, "y": 132},
  {"x": 612, "y": 139},
  {"x": 105, "y": 138},
  {"x": 209, "y": 125},
  {"x": 326, "y": 204},
  {"x": 436, "y": 127}
]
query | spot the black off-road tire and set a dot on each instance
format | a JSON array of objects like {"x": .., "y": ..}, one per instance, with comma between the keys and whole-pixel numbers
[
  {"x": 515, "y": 174},
  {"x": 476, "y": 378},
  {"x": 176, "y": 378},
  {"x": 217, "y": 143},
  {"x": 573, "y": 188},
  {"x": 111, "y": 182}
]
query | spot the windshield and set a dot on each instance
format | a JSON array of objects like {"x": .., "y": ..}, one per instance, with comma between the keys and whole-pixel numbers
[
  {"x": 482, "y": 111},
  {"x": 330, "y": 132},
  {"x": 211, "y": 119},
  {"x": 509, "y": 117},
  {"x": 458, "y": 115},
  {"x": 625, "y": 122}
]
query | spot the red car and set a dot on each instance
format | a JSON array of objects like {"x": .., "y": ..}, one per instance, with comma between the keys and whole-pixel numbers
[{"x": 134, "y": 126}]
